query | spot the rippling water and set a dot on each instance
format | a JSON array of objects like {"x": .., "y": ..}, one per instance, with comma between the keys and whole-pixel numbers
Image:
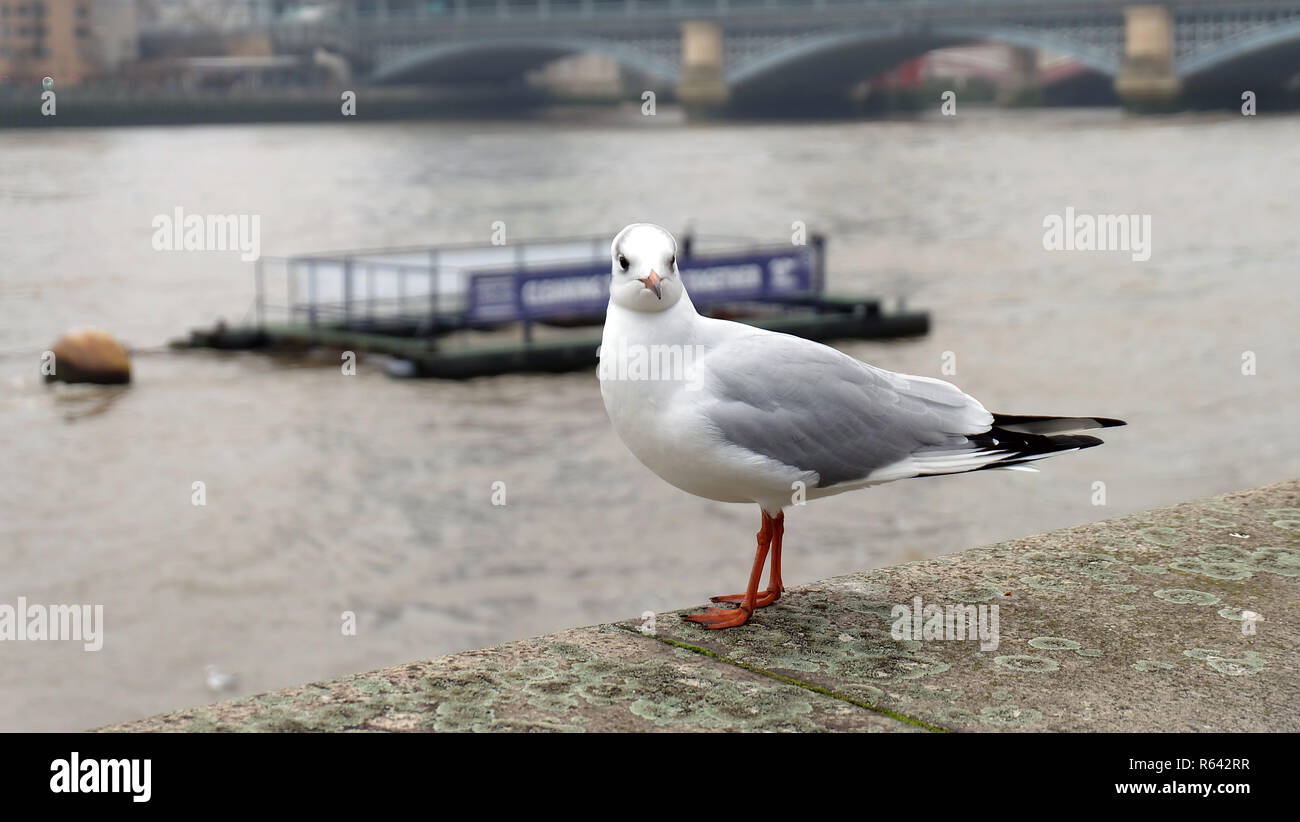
[{"x": 328, "y": 493}]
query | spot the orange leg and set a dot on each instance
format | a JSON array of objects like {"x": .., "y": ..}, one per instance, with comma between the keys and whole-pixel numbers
[
  {"x": 775, "y": 586},
  {"x": 715, "y": 618},
  {"x": 774, "y": 581}
]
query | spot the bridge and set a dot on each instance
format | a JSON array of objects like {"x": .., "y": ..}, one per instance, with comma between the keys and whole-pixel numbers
[{"x": 712, "y": 52}]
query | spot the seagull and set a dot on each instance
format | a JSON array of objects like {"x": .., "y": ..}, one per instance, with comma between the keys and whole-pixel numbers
[
  {"x": 735, "y": 413},
  {"x": 219, "y": 682}
]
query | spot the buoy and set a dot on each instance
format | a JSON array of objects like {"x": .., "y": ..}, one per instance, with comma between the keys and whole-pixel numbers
[{"x": 87, "y": 355}]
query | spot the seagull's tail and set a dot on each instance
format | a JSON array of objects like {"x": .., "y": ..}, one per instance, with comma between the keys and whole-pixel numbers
[
  {"x": 1026, "y": 438},
  {"x": 1022, "y": 424},
  {"x": 1011, "y": 443}
]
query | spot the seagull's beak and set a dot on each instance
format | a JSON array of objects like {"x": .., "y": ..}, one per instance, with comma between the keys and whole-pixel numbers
[{"x": 652, "y": 283}]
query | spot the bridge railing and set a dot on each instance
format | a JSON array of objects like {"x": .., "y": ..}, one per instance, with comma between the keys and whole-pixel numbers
[{"x": 404, "y": 13}]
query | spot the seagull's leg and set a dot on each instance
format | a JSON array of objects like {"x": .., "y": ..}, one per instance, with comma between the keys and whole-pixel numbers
[
  {"x": 775, "y": 586},
  {"x": 714, "y": 618}
]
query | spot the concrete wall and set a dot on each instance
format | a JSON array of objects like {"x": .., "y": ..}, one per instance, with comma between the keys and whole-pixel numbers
[{"x": 1179, "y": 619}]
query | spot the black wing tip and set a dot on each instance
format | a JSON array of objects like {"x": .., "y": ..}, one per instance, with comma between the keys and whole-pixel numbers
[
  {"x": 1107, "y": 422},
  {"x": 1034, "y": 423},
  {"x": 1078, "y": 441},
  {"x": 1026, "y": 448}
]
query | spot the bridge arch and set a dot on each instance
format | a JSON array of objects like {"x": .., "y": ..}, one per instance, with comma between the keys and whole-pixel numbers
[
  {"x": 1260, "y": 47},
  {"x": 839, "y": 59},
  {"x": 497, "y": 59}
]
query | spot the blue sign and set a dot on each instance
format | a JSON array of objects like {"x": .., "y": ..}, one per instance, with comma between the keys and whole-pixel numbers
[{"x": 584, "y": 290}]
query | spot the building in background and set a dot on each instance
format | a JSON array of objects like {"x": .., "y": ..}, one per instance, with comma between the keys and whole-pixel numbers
[
  {"x": 189, "y": 16},
  {"x": 115, "y": 34},
  {"x": 71, "y": 41},
  {"x": 40, "y": 38}
]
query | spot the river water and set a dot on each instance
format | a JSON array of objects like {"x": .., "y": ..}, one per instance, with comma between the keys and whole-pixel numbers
[{"x": 328, "y": 493}]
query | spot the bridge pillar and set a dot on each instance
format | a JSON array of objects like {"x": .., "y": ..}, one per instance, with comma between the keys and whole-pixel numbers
[
  {"x": 1022, "y": 86},
  {"x": 1146, "y": 79},
  {"x": 701, "y": 84}
]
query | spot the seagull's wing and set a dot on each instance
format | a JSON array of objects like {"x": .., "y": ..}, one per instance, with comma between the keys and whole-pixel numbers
[{"x": 816, "y": 409}]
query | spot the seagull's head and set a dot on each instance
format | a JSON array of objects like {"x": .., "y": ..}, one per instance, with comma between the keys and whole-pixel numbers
[{"x": 644, "y": 275}]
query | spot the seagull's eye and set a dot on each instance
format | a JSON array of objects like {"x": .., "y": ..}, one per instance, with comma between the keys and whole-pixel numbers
[
  {"x": 672, "y": 261},
  {"x": 622, "y": 262}
]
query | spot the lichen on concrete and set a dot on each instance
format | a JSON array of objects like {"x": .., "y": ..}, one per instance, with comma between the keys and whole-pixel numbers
[{"x": 590, "y": 679}]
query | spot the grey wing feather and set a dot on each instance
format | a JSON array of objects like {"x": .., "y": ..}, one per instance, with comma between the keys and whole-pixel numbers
[{"x": 816, "y": 409}]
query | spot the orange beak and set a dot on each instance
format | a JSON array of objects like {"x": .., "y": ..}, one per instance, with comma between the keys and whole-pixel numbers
[{"x": 652, "y": 283}]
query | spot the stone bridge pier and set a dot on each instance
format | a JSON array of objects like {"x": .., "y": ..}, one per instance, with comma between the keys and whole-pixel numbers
[
  {"x": 702, "y": 85},
  {"x": 1147, "y": 78},
  {"x": 1024, "y": 86}
]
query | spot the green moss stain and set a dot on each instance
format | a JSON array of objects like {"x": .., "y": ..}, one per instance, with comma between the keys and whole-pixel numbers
[
  {"x": 1096, "y": 567},
  {"x": 1049, "y": 582},
  {"x": 1210, "y": 568},
  {"x": 1215, "y": 522},
  {"x": 981, "y": 592},
  {"x": 1148, "y": 665},
  {"x": 661, "y": 711},
  {"x": 1248, "y": 663},
  {"x": 1120, "y": 589},
  {"x": 1160, "y": 535},
  {"x": 1237, "y": 614},
  {"x": 1027, "y": 664},
  {"x": 1186, "y": 596},
  {"x": 932, "y": 693},
  {"x": 1008, "y": 715},
  {"x": 1054, "y": 643},
  {"x": 1281, "y": 561},
  {"x": 999, "y": 575},
  {"x": 1288, "y": 519},
  {"x": 952, "y": 715},
  {"x": 1149, "y": 569}
]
